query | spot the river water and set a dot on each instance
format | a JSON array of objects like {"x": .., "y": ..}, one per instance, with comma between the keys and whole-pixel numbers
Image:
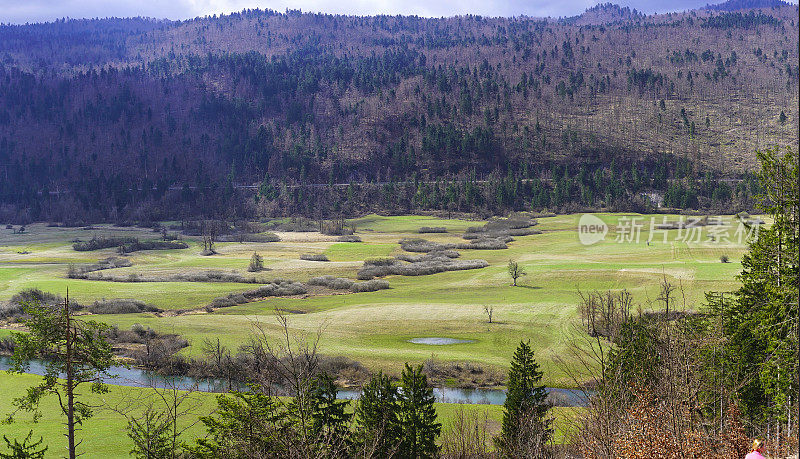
[{"x": 135, "y": 377}]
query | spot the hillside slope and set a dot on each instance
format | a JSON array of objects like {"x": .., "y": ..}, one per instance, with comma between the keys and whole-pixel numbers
[{"x": 102, "y": 108}]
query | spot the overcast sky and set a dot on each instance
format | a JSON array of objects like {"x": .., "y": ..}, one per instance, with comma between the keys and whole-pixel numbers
[{"x": 21, "y": 11}]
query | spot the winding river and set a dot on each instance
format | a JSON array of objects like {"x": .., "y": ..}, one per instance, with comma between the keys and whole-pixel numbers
[{"x": 135, "y": 377}]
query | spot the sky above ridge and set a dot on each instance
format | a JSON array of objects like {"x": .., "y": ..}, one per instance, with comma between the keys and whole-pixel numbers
[{"x": 22, "y": 11}]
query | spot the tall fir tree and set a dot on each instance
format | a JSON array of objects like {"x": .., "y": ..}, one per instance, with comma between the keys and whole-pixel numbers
[
  {"x": 417, "y": 415},
  {"x": 525, "y": 410},
  {"x": 376, "y": 416},
  {"x": 330, "y": 421},
  {"x": 761, "y": 323}
]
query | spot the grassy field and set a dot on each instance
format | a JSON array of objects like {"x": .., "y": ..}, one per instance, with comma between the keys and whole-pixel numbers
[
  {"x": 374, "y": 328},
  {"x": 104, "y": 435}
]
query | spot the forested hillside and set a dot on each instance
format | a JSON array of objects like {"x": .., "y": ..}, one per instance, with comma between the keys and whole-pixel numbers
[{"x": 263, "y": 113}]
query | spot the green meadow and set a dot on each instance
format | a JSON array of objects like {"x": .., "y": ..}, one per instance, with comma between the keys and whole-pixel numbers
[{"x": 374, "y": 328}]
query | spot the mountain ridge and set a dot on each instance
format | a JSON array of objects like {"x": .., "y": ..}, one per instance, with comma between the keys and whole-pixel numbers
[{"x": 265, "y": 97}]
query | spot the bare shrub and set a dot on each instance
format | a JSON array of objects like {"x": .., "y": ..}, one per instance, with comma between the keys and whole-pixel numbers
[
  {"x": 603, "y": 313},
  {"x": 247, "y": 237},
  {"x": 656, "y": 396},
  {"x": 278, "y": 287},
  {"x": 421, "y": 268},
  {"x": 482, "y": 242},
  {"x": 79, "y": 272},
  {"x": 523, "y": 232},
  {"x": 7, "y": 346},
  {"x": 467, "y": 375},
  {"x": 336, "y": 228},
  {"x": 466, "y": 436},
  {"x": 486, "y": 244},
  {"x": 96, "y": 243},
  {"x": 348, "y": 238},
  {"x": 369, "y": 286},
  {"x": 423, "y": 245},
  {"x": 206, "y": 276},
  {"x": 648, "y": 431},
  {"x": 295, "y": 224},
  {"x": 121, "y": 306},
  {"x": 150, "y": 349},
  {"x": 439, "y": 254},
  {"x": 34, "y": 295},
  {"x": 344, "y": 369},
  {"x": 501, "y": 229},
  {"x": 314, "y": 257},
  {"x": 336, "y": 283},
  {"x": 380, "y": 261},
  {"x": 137, "y": 245},
  {"x": 533, "y": 438},
  {"x": 432, "y": 229}
]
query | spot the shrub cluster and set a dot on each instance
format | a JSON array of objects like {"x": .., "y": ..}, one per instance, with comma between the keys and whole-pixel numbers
[
  {"x": 423, "y": 245},
  {"x": 336, "y": 228},
  {"x": 431, "y": 264},
  {"x": 487, "y": 243},
  {"x": 198, "y": 228},
  {"x": 427, "y": 256},
  {"x": 499, "y": 234},
  {"x": 96, "y": 243},
  {"x": 372, "y": 285},
  {"x": 154, "y": 348},
  {"x": 348, "y": 238},
  {"x": 208, "y": 276},
  {"x": 14, "y": 308},
  {"x": 379, "y": 261},
  {"x": 137, "y": 245},
  {"x": 121, "y": 306},
  {"x": 79, "y": 272},
  {"x": 278, "y": 287},
  {"x": 432, "y": 229},
  {"x": 314, "y": 257},
  {"x": 245, "y": 237},
  {"x": 297, "y": 224},
  {"x": 340, "y": 283},
  {"x": 464, "y": 374},
  {"x": 483, "y": 241},
  {"x": 335, "y": 283},
  {"x": 501, "y": 229}
]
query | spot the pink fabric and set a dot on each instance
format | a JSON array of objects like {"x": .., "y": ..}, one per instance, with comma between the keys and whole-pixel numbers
[{"x": 754, "y": 455}]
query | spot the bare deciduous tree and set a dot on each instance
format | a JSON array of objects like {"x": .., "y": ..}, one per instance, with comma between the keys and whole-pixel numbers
[
  {"x": 515, "y": 271},
  {"x": 158, "y": 417},
  {"x": 489, "y": 311},
  {"x": 466, "y": 436}
]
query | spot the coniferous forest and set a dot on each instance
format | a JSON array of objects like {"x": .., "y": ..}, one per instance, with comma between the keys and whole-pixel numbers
[{"x": 261, "y": 113}]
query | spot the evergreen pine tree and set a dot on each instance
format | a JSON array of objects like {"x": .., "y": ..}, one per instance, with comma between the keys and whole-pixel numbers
[
  {"x": 256, "y": 263},
  {"x": 246, "y": 424},
  {"x": 74, "y": 348},
  {"x": 376, "y": 416},
  {"x": 417, "y": 415},
  {"x": 525, "y": 427},
  {"x": 330, "y": 421},
  {"x": 761, "y": 323},
  {"x": 26, "y": 450}
]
